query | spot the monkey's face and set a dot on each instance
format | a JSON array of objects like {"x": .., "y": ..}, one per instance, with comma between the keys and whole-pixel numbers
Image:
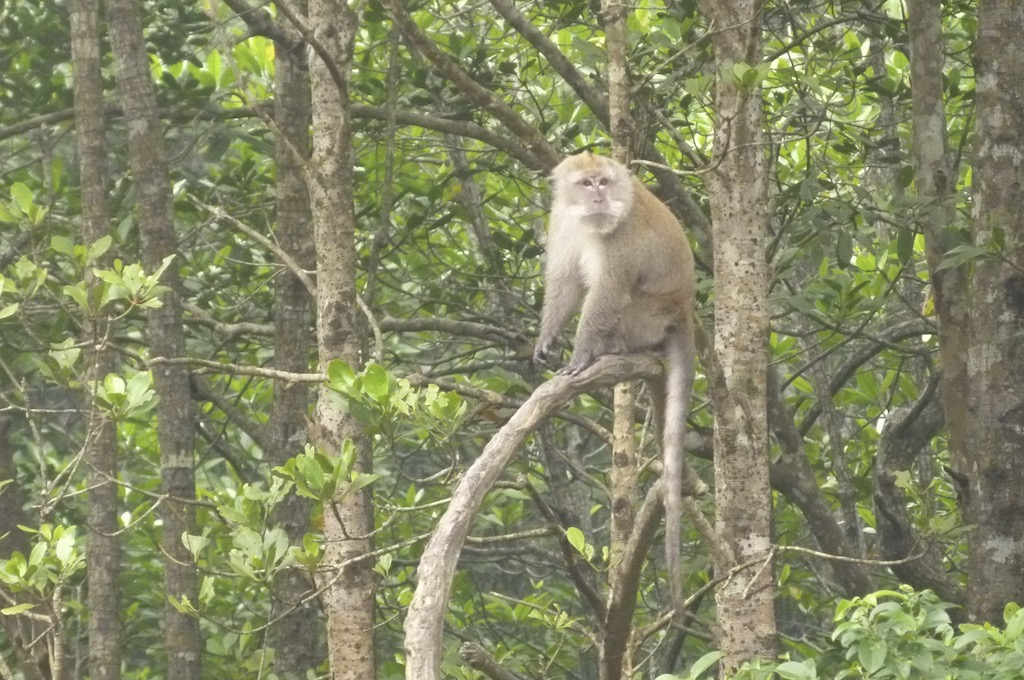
[
  {"x": 593, "y": 189},
  {"x": 595, "y": 194}
]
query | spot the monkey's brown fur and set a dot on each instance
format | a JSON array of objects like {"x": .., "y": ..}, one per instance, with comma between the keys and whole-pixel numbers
[{"x": 613, "y": 246}]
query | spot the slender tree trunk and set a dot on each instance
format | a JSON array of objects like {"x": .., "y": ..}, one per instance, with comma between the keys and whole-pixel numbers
[
  {"x": 349, "y": 597},
  {"x": 746, "y": 615},
  {"x": 103, "y": 553},
  {"x": 993, "y": 465},
  {"x": 615, "y": 660},
  {"x": 166, "y": 334},
  {"x": 613, "y": 15},
  {"x": 935, "y": 184},
  {"x": 297, "y": 638}
]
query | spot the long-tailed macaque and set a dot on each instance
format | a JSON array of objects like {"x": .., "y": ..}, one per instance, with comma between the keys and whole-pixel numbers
[{"x": 613, "y": 246}]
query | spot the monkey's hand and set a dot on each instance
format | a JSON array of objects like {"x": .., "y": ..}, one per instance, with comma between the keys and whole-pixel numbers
[
  {"x": 579, "y": 362},
  {"x": 543, "y": 351}
]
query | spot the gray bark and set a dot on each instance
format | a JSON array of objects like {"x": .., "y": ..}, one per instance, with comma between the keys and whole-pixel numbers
[
  {"x": 166, "y": 335},
  {"x": 349, "y": 596},
  {"x": 424, "y": 624},
  {"x": 103, "y": 552},
  {"x": 746, "y": 615},
  {"x": 298, "y": 638},
  {"x": 992, "y": 465}
]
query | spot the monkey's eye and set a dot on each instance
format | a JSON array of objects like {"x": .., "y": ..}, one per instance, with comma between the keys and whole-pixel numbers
[
  {"x": 588, "y": 183},
  {"x": 603, "y": 182}
]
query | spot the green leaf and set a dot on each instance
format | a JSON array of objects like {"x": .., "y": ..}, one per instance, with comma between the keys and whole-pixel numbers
[
  {"x": 114, "y": 384},
  {"x": 340, "y": 375},
  {"x": 1014, "y": 617},
  {"x": 963, "y": 254},
  {"x": 7, "y": 216},
  {"x": 206, "y": 590},
  {"x": 871, "y": 654},
  {"x": 375, "y": 383},
  {"x": 97, "y": 249},
  {"x": 155, "y": 276},
  {"x": 793, "y": 670},
  {"x": 705, "y": 662},
  {"x": 184, "y": 605},
  {"x": 62, "y": 245},
  {"x": 844, "y": 249},
  {"x": 194, "y": 544},
  {"x": 22, "y": 195},
  {"x": 905, "y": 244},
  {"x": 16, "y": 609},
  {"x": 576, "y": 539},
  {"x": 139, "y": 393},
  {"x": 361, "y": 481},
  {"x": 64, "y": 549},
  {"x": 79, "y": 292}
]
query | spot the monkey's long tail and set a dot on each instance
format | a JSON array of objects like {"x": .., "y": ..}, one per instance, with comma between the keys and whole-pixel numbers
[{"x": 677, "y": 476}]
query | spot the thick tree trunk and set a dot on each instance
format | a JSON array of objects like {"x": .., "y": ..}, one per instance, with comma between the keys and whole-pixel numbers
[
  {"x": 349, "y": 596},
  {"x": 746, "y": 615},
  {"x": 993, "y": 464},
  {"x": 165, "y": 332},
  {"x": 297, "y": 638},
  {"x": 103, "y": 553}
]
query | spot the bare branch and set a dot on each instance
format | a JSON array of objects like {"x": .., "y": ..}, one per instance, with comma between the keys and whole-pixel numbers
[
  {"x": 286, "y": 258},
  {"x": 478, "y": 659},
  {"x": 595, "y": 100},
  {"x": 476, "y": 92},
  {"x": 462, "y": 128},
  {"x": 260, "y": 22},
  {"x": 424, "y": 624},
  {"x": 236, "y": 369}
]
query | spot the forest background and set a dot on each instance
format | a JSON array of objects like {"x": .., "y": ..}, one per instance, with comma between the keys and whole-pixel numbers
[{"x": 269, "y": 283}]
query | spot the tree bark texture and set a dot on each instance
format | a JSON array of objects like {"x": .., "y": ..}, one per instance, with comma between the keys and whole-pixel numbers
[
  {"x": 993, "y": 464},
  {"x": 349, "y": 596},
  {"x": 424, "y": 624},
  {"x": 935, "y": 184},
  {"x": 103, "y": 551},
  {"x": 614, "y": 659},
  {"x": 154, "y": 215},
  {"x": 297, "y": 639},
  {"x": 738, "y": 192}
]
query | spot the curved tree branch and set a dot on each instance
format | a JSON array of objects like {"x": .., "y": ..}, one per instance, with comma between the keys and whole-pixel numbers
[
  {"x": 794, "y": 478},
  {"x": 476, "y": 92},
  {"x": 261, "y": 23},
  {"x": 899, "y": 331},
  {"x": 478, "y": 659},
  {"x": 595, "y": 100},
  {"x": 462, "y": 128},
  {"x": 424, "y": 624},
  {"x": 907, "y": 431}
]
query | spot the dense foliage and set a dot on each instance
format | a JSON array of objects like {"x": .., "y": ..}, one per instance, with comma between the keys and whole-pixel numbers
[{"x": 450, "y": 213}]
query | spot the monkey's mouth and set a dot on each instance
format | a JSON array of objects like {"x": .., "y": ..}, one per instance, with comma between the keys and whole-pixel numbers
[{"x": 598, "y": 210}]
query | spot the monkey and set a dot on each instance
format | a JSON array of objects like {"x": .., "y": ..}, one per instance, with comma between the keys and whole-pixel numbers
[{"x": 619, "y": 256}]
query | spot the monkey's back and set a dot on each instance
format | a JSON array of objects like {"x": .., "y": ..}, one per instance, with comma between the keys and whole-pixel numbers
[{"x": 663, "y": 286}]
